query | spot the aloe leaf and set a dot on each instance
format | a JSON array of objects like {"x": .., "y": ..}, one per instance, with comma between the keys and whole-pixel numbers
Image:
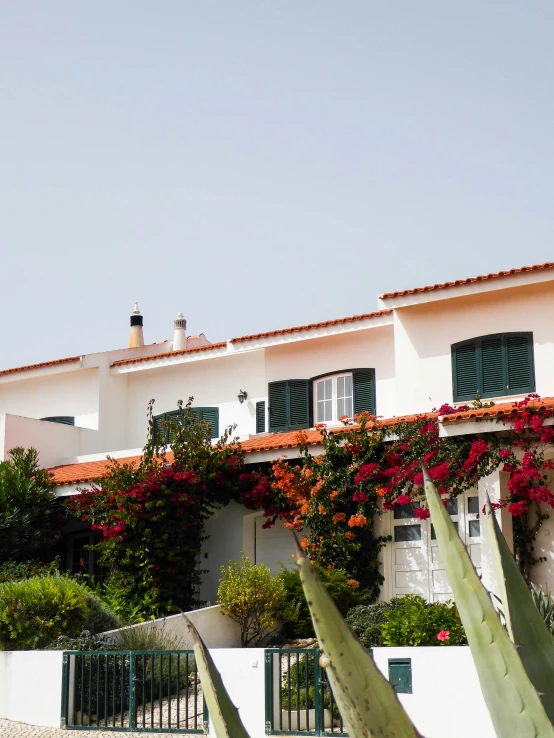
[
  {"x": 367, "y": 702},
  {"x": 224, "y": 716},
  {"x": 527, "y": 629},
  {"x": 514, "y": 705}
]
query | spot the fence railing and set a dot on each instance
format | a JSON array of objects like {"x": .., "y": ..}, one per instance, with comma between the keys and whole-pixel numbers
[
  {"x": 298, "y": 695},
  {"x": 156, "y": 691}
]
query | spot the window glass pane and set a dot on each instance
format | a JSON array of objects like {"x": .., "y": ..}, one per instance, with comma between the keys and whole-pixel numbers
[
  {"x": 473, "y": 505},
  {"x": 340, "y": 407},
  {"x": 407, "y": 533},
  {"x": 474, "y": 528},
  {"x": 348, "y": 407},
  {"x": 328, "y": 389},
  {"x": 321, "y": 391},
  {"x": 452, "y": 506},
  {"x": 328, "y": 410},
  {"x": 405, "y": 511},
  {"x": 348, "y": 385},
  {"x": 340, "y": 386},
  {"x": 433, "y": 536}
]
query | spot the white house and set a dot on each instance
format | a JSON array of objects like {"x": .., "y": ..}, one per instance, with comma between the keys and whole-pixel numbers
[{"x": 490, "y": 335}]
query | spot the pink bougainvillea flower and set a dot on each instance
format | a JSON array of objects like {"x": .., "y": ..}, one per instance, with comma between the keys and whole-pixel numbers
[
  {"x": 403, "y": 500},
  {"x": 422, "y": 513},
  {"x": 443, "y": 635}
]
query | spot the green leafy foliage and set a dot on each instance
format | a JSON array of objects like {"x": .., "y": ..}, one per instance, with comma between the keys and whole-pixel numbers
[
  {"x": 15, "y": 571},
  {"x": 34, "y": 612},
  {"x": 295, "y": 612},
  {"x": 100, "y": 617},
  {"x": 30, "y": 515},
  {"x": 367, "y": 621},
  {"x": 416, "y": 622},
  {"x": 129, "y": 604},
  {"x": 147, "y": 637},
  {"x": 252, "y": 597},
  {"x": 544, "y": 602}
]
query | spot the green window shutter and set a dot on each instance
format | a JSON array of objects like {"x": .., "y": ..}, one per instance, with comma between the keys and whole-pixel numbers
[
  {"x": 465, "y": 371},
  {"x": 299, "y": 403},
  {"x": 492, "y": 367},
  {"x": 63, "y": 419},
  {"x": 260, "y": 416},
  {"x": 519, "y": 358},
  {"x": 364, "y": 390},
  {"x": 278, "y": 406},
  {"x": 162, "y": 434},
  {"x": 209, "y": 415}
]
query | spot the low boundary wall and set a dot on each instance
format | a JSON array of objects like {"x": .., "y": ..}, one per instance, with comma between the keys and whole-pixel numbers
[{"x": 31, "y": 687}]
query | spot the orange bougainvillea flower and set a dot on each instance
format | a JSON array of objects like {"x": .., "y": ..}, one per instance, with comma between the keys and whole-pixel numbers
[
  {"x": 334, "y": 494},
  {"x": 339, "y": 517},
  {"x": 381, "y": 491},
  {"x": 350, "y": 535},
  {"x": 301, "y": 438},
  {"x": 354, "y": 583},
  {"x": 322, "y": 510},
  {"x": 357, "y": 520},
  {"x": 330, "y": 567},
  {"x": 304, "y": 543}
]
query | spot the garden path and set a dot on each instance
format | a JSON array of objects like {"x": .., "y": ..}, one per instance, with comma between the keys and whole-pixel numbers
[{"x": 10, "y": 729}]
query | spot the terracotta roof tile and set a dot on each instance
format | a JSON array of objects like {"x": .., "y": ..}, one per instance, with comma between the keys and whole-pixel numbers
[
  {"x": 207, "y": 347},
  {"x": 30, "y": 367},
  {"x": 311, "y": 326},
  {"x": 469, "y": 280},
  {"x": 88, "y": 471}
]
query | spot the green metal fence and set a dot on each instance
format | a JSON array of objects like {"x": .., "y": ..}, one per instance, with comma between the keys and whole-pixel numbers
[
  {"x": 299, "y": 699},
  {"x": 156, "y": 691}
]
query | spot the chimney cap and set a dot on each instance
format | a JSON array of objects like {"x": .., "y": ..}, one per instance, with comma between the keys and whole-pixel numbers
[{"x": 136, "y": 310}]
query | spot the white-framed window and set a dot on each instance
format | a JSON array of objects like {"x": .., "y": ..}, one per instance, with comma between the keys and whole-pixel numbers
[{"x": 333, "y": 398}]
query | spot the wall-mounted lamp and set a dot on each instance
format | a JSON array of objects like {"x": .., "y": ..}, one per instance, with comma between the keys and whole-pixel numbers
[{"x": 242, "y": 396}]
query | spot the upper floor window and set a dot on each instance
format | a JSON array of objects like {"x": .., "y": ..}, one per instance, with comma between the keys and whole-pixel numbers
[
  {"x": 300, "y": 403},
  {"x": 162, "y": 430},
  {"x": 493, "y": 366},
  {"x": 333, "y": 398}
]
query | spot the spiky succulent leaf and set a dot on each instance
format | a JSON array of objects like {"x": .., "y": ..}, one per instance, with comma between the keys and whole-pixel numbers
[
  {"x": 527, "y": 629},
  {"x": 224, "y": 716},
  {"x": 513, "y": 703},
  {"x": 367, "y": 702}
]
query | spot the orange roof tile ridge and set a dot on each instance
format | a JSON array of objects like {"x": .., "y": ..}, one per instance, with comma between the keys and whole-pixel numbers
[
  {"x": 206, "y": 347},
  {"x": 469, "y": 280},
  {"x": 311, "y": 326},
  {"x": 42, "y": 364}
]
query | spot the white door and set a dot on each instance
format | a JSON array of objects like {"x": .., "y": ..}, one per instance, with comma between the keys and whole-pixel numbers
[
  {"x": 274, "y": 546},
  {"x": 417, "y": 566}
]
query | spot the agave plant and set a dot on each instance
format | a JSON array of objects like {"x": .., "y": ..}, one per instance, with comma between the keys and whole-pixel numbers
[
  {"x": 515, "y": 662},
  {"x": 544, "y": 602}
]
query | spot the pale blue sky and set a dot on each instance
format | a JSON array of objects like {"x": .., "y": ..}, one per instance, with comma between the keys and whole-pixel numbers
[{"x": 261, "y": 163}]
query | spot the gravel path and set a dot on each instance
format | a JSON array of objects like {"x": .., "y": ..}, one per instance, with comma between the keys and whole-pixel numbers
[{"x": 9, "y": 729}]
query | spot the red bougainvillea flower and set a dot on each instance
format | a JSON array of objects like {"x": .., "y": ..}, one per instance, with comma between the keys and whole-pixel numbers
[
  {"x": 422, "y": 513},
  {"x": 443, "y": 635},
  {"x": 360, "y": 497},
  {"x": 403, "y": 500},
  {"x": 517, "y": 508}
]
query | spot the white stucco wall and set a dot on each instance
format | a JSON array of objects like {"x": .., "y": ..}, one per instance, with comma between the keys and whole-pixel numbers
[
  {"x": 31, "y": 687},
  {"x": 54, "y": 441},
  {"x": 446, "y": 699},
  {"x": 424, "y": 334},
  {"x": 216, "y": 630},
  {"x": 66, "y": 393},
  {"x": 212, "y": 382}
]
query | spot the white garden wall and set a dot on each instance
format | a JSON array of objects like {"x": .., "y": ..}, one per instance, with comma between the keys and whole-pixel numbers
[
  {"x": 446, "y": 698},
  {"x": 31, "y": 687}
]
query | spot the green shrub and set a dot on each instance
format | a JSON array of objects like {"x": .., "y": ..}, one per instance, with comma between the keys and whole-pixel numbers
[
  {"x": 250, "y": 596},
  {"x": 127, "y": 603},
  {"x": 544, "y": 603},
  {"x": 146, "y": 638},
  {"x": 295, "y": 613},
  {"x": 34, "y": 612},
  {"x": 85, "y": 641},
  {"x": 14, "y": 571},
  {"x": 30, "y": 515},
  {"x": 100, "y": 617},
  {"x": 367, "y": 621},
  {"x": 415, "y": 622}
]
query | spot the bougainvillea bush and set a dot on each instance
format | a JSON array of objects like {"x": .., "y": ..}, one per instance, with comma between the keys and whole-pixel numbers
[
  {"x": 369, "y": 468},
  {"x": 152, "y": 515}
]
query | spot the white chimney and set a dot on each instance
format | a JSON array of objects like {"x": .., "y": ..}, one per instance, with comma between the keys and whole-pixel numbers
[
  {"x": 136, "y": 337},
  {"x": 180, "y": 333}
]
